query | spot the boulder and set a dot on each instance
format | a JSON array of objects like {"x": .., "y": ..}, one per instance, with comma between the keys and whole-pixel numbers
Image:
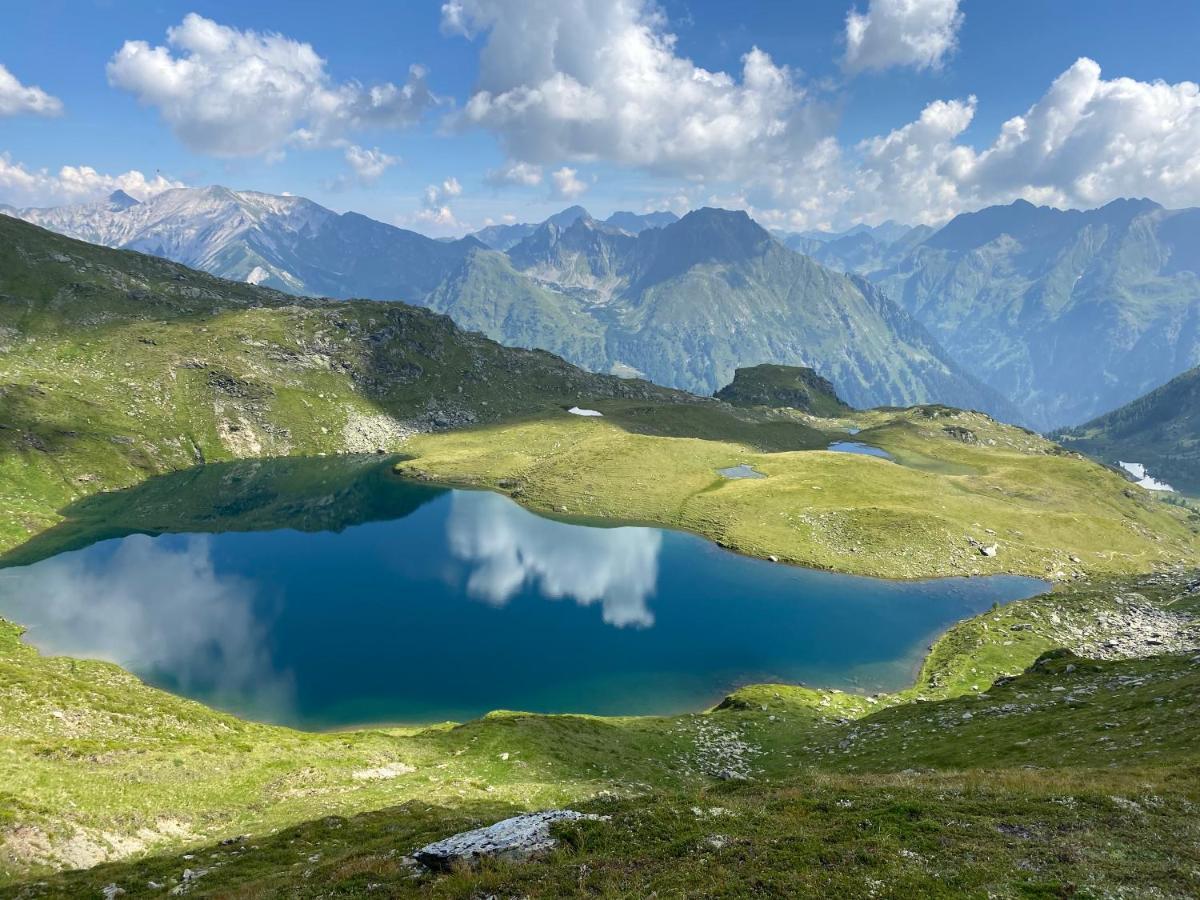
[{"x": 517, "y": 838}]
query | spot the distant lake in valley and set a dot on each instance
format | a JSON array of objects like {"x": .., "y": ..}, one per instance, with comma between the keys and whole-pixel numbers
[{"x": 322, "y": 593}]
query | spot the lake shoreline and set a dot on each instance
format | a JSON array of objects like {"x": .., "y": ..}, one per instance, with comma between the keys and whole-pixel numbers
[{"x": 379, "y": 472}]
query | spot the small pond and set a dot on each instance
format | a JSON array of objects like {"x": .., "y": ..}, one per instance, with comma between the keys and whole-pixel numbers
[
  {"x": 741, "y": 471},
  {"x": 858, "y": 447}
]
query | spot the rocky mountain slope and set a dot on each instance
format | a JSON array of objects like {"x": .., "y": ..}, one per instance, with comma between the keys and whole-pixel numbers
[
  {"x": 682, "y": 302},
  {"x": 1066, "y": 313},
  {"x": 1160, "y": 431},
  {"x": 689, "y": 303},
  {"x": 114, "y": 365},
  {"x": 505, "y": 237},
  {"x": 284, "y": 242}
]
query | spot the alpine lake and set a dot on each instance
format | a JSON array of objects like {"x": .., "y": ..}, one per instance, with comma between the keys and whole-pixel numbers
[{"x": 327, "y": 593}]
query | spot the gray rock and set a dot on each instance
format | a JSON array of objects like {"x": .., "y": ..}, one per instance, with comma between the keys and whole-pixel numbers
[{"x": 517, "y": 838}]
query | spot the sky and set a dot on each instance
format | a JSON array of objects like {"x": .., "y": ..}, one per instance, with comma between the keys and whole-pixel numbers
[{"x": 449, "y": 116}]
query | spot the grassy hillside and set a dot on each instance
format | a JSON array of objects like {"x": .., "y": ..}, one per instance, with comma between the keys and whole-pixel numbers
[
  {"x": 1160, "y": 430},
  {"x": 115, "y": 366},
  {"x": 958, "y": 481},
  {"x": 953, "y": 786}
]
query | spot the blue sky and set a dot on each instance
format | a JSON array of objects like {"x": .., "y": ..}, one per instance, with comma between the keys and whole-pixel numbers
[{"x": 794, "y": 111}]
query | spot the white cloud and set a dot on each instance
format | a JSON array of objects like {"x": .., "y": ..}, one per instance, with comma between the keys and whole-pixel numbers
[
  {"x": 234, "y": 93},
  {"x": 439, "y": 194},
  {"x": 518, "y": 173},
  {"x": 584, "y": 80},
  {"x": 565, "y": 184},
  {"x": 917, "y": 33},
  {"x": 1088, "y": 141},
  {"x": 437, "y": 212},
  {"x": 16, "y": 98},
  {"x": 1085, "y": 142},
  {"x": 368, "y": 165},
  {"x": 21, "y": 186}
]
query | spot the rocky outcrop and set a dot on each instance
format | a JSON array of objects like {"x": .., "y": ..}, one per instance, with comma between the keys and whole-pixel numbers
[{"x": 517, "y": 838}]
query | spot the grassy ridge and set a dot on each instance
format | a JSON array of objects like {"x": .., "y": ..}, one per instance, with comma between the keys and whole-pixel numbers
[{"x": 958, "y": 477}]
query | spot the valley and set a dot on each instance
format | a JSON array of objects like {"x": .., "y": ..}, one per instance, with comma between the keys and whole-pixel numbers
[
  {"x": 525, "y": 450},
  {"x": 118, "y": 367}
]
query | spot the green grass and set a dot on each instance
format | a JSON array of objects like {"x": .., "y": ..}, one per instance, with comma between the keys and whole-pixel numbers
[
  {"x": 115, "y": 367},
  {"x": 911, "y": 518},
  {"x": 1075, "y": 775}
]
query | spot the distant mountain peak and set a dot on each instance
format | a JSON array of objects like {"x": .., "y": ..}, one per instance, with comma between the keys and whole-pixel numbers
[
  {"x": 1133, "y": 204},
  {"x": 633, "y": 223},
  {"x": 714, "y": 233},
  {"x": 568, "y": 217},
  {"x": 118, "y": 199}
]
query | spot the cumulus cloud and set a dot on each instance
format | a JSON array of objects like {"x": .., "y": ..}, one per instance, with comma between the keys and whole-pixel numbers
[
  {"x": 917, "y": 33},
  {"x": 565, "y": 185},
  {"x": 1085, "y": 142},
  {"x": 21, "y": 186},
  {"x": 436, "y": 200},
  {"x": 516, "y": 173},
  {"x": 16, "y": 98},
  {"x": 584, "y": 80},
  {"x": 368, "y": 165},
  {"x": 232, "y": 93},
  {"x": 439, "y": 194}
]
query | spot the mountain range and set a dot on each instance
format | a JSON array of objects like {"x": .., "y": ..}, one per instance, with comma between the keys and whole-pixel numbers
[
  {"x": 1041, "y": 316},
  {"x": 1067, "y": 313},
  {"x": 505, "y": 237},
  {"x": 684, "y": 302}
]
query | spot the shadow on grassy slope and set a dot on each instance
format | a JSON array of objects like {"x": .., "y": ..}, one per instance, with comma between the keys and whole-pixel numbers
[
  {"x": 942, "y": 811},
  {"x": 301, "y": 493}
]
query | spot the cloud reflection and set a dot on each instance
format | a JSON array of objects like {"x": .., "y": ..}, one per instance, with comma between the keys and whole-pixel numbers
[
  {"x": 154, "y": 607},
  {"x": 511, "y": 548}
]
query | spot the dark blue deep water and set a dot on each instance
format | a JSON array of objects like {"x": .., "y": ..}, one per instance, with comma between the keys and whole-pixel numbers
[{"x": 328, "y": 593}]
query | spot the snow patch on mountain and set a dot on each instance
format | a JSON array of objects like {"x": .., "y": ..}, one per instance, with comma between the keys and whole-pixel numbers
[
  {"x": 193, "y": 226},
  {"x": 1144, "y": 479}
]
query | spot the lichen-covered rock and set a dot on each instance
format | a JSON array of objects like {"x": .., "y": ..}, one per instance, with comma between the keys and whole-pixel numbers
[{"x": 514, "y": 839}]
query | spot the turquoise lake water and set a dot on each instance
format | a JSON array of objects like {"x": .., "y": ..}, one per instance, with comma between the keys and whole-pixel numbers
[{"x": 327, "y": 593}]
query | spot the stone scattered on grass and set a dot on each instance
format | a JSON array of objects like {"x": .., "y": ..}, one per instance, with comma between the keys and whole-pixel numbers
[{"x": 513, "y": 839}]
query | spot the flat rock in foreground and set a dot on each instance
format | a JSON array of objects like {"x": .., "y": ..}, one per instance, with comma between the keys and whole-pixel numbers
[{"x": 514, "y": 839}]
